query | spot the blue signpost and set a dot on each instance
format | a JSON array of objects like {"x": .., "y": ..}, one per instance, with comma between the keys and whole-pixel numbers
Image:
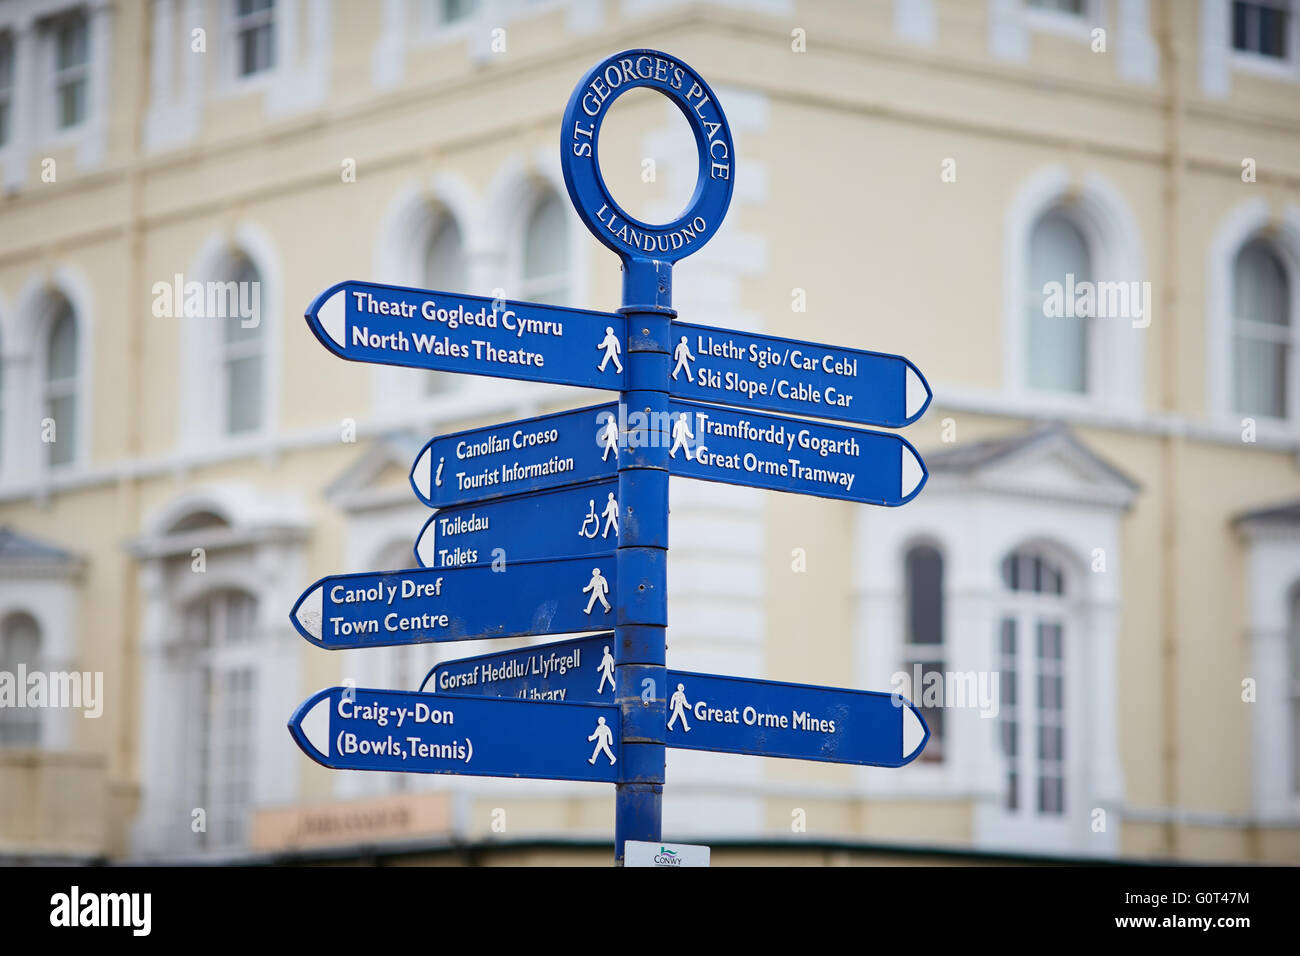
[
  {"x": 352, "y": 728},
  {"x": 796, "y": 378},
  {"x": 580, "y": 669},
  {"x": 533, "y": 454},
  {"x": 772, "y": 719},
  {"x": 423, "y": 605},
  {"x": 567, "y": 522},
  {"x": 559, "y": 524},
  {"x": 705, "y": 711},
  {"x": 452, "y": 332},
  {"x": 790, "y": 454}
]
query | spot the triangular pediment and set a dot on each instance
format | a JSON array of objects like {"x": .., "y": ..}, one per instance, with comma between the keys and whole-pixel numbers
[
  {"x": 379, "y": 474},
  {"x": 1048, "y": 461}
]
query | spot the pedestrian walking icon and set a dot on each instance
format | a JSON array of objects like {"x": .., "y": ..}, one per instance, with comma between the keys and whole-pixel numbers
[
  {"x": 609, "y": 345},
  {"x": 608, "y": 437},
  {"x": 677, "y": 704},
  {"x": 599, "y": 587},
  {"x": 683, "y": 357},
  {"x": 610, "y": 514},
  {"x": 603, "y": 737},
  {"x": 681, "y": 435},
  {"x": 606, "y": 669}
]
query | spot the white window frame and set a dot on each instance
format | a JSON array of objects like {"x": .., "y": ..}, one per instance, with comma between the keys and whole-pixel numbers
[
  {"x": 14, "y": 716},
  {"x": 913, "y": 653},
  {"x": 231, "y": 26},
  {"x": 438, "y": 384},
  {"x": 258, "y": 550},
  {"x": 1115, "y": 348},
  {"x": 27, "y": 354},
  {"x": 1248, "y": 221},
  {"x": 1078, "y": 25},
  {"x": 79, "y": 72},
  {"x": 1031, "y": 610},
  {"x": 1220, "y": 59},
  {"x": 1047, "y": 495},
  {"x": 1272, "y": 580},
  {"x": 1287, "y": 336},
  {"x": 50, "y": 593},
  {"x": 202, "y": 435},
  {"x": 522, "y": 287},
  {"x": 410, "y": 225},
  {"x": 8, "y": 40},
  {"x": 1094, "y": 355},
  {"x": 1285, "y": 67},
  {"x": 206, "y": 738},
  {"x": 53, "y": 390},
  {"x": 433, "y": 26},
  {"x": 51, "y": 133},
  {"x": 227, "y": 353}
]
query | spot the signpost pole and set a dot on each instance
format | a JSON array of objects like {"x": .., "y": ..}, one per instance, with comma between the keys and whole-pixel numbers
[{"x": 641, "y": 623}]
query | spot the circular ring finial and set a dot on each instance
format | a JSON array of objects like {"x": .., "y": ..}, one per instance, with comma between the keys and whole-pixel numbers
[{"x": 580, "y": 133}]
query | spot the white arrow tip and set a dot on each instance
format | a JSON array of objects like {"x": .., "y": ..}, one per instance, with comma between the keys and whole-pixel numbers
[
  {"x": 426, "y": 546},
  {"x": 913, "y": 472},
  {"x": 422, "y": 473},
  {"x": 913, "y": 732},
  {"x": 311, "y": 611},
  {"x": 918, "y": 393},
  {"x": 331, "y": 313},
  {"x": 315, "y": 726}
]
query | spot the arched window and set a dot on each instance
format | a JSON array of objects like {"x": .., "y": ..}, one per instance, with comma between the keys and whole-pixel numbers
[
  {"x": 444, "y": 271},
  {"x": 545, "y": 261},
  {"x": 60, "y": 398},
  {"x": 241, "y": 352},
  {"x": 1057, "y": 346},
  {"x": 923, "y": 648},
  {"x": 20, "y": 646},
  {"x": 218, "y": 632},
  {"x": 1263, "y": 335},
  {"x": 198, "y": 521},
  {"x": 1032, "y": 644}
]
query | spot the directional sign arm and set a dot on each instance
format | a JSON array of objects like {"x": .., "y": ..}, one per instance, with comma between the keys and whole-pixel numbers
[
  {"x": 795, "y": 455},
  {"x": 799, "y": 721},
  {"x": 567, "y": 522},
  {"x": 471, "y": 334},
  {"x": 801, "y": 378},
  {"x": 532, "y": 454},
  {"x": 348, "y": 728},
  {"x": 416, "y": 606}
]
